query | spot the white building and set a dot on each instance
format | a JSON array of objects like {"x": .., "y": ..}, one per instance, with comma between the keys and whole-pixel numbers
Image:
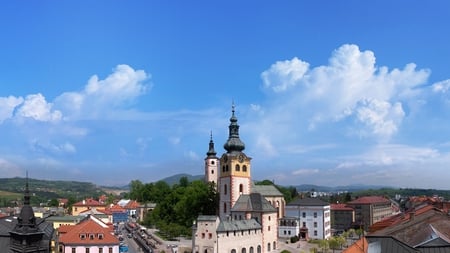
[
  {"x": 247, "y": 221},
  {"x": 313, "y": 215}
]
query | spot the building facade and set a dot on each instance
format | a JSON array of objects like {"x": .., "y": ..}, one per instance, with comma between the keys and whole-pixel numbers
[
  {"x": 342, "y": 217},
  {"x": 90, "y": 235},
  {"x": 313, "y": 215},
  {"x": 370, "y": 209}
]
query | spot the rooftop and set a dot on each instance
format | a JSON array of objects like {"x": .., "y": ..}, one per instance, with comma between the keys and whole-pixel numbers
[
  {"x": 367, "y": 200},
  {"x": 308, "y": 202}
]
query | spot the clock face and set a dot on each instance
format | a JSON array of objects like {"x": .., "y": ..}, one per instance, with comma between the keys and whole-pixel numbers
[{"x": 241, "y": 158}]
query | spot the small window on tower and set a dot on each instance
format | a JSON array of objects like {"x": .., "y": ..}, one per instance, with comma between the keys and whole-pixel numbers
[
  {"x": 238, "y": 168},
  {"x": 244, "y": 168},
  {"x": 212, "y": 162},
  {"x": 212, "y": 171}
]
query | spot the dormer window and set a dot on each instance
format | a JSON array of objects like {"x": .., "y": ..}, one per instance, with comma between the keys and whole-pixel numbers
[
  {"x": 91, "y": 236},
  {"x": 100, "y": 236},
  {"x": 82, "y": 236}
]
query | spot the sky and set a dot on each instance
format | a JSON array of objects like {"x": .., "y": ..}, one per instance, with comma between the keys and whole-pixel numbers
[{"x": 326, "y": 92}]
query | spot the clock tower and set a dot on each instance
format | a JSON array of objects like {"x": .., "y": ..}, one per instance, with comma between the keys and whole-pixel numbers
[{"x": 235, "y": 167}]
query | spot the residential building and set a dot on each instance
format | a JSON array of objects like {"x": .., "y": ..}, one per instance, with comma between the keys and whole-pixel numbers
[
  {"x": 85, "y": 205},
  {"x": 90, "y": 235},
  {"x": 247, "y": 221},
  {"x": 313, "y": 215},
  {"x": 118, "y": 213},
  {"x": 60, "y": 220},
  {"x": 370, "y": 209},
  {"x": 342, "y": 217}
]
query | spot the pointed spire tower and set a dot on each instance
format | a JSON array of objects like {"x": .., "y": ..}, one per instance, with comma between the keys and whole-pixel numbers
[
  {"x": 211, "y": 164},
  {"x": 235, "y": 176},
  {"x": 26, "y": 235}
]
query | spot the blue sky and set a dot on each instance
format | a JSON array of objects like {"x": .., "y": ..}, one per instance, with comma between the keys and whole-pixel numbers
[{"x": 326, "y": 92}]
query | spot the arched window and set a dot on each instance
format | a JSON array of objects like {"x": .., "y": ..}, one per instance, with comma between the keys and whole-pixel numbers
[
  {"x": 224, "y": 207},
  {"x": 206, "y": 251},
  {"x": 226, "y": 167},
  {"x": 237, "y": 167},
  {"x": 212, "y": 171},
  {"x": 268, "y": 246},
  {"x": 251, "y": 250},
  {"x": 212, "y": 162},
  {"x": 241, "y": 188},
  {"x": 244, "y": 168},
  {"x": 258, "y": 249},
  {"x": 233, "y": 251},
  {"x": 274, "y": 245},
  {"x": 243, "y": 250},
  {"x": 223, "y": 168},
  {"x": 225, "y": 189}
]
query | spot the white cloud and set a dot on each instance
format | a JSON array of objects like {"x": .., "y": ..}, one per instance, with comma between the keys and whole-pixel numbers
[
  {"x": 192, "y": 155},
  {"x": 7, "y": 106},
  {"x": 35, "y": 106},
  {"x": 303, "y": 172},
  {"x": 47, "y": 147},
  {"x": 391, "y": 155},
  {"x": 284, "y": 74},
  {"x": 351, "y": 87},
  {"x": 380, "y": 116},
  {"x": 104, "y": 98}
]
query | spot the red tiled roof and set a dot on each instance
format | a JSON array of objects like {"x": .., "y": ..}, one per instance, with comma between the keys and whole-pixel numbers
[
  {"x": 88, "y": 202},
  {"x": 367, "y": 200},
  {"x": 398, "y": 218},
  {"x": 359, "y": 246},
  {"x": 132, "y": 204},
  {"x": 340, "y": 207},
  {"x": 101, "y": 235}
]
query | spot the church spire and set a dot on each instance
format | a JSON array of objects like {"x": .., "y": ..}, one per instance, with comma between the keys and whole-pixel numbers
[
  {"x": 211, "y": 151},
  {"x": 233, "y": 143},
  {"x": 26, "y": 217}
]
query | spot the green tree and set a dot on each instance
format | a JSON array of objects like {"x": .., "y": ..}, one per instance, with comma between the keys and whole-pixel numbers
[
  {"x": 323, "y": 244},
  {"x": 334, "y": 243},
  {"x": 53, "y": 202}
]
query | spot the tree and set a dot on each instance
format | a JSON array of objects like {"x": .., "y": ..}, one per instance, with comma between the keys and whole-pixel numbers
[
  {"x": 53, "y": 202},
  {"x": 323, "y": 244},
  {"x": 333, "y": 243}
]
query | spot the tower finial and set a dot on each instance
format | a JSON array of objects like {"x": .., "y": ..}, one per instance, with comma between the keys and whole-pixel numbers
[
  {"x": 233, "y": 143},
  {"x": 211, "y": 151}
]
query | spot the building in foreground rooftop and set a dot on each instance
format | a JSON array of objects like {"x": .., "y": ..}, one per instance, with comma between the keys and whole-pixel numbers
[{"x": 25, "y": 232}]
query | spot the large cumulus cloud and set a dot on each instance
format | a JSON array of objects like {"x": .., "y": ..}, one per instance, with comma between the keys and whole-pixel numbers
[{"x": 351, "y": 85}]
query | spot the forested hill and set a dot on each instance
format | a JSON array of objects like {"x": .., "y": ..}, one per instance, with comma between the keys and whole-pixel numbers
[{"x": 51, "y": 189}]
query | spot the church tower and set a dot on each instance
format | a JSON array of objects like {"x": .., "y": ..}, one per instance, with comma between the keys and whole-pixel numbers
[
  {"x": 26, "y": 235},
  {"x": 235, "y": 176},
  {"x": 211, "y": 165}
]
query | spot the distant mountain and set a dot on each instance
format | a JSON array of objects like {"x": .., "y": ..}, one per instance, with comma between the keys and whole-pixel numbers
[
  {"x": 176, "y": 178},
  {"x": 349, "y": 188}
]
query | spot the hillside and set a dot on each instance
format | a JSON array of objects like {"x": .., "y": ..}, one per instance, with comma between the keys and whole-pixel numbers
[{"x": 46, "y": 189}]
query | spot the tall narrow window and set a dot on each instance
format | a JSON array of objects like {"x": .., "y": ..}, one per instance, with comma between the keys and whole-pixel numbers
[
  {"x": 244, "y": 168},
  {"x": 241, "y": 188},
  {"x": 225, "y": 189},
  {"x": 237, "y": 167}
]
